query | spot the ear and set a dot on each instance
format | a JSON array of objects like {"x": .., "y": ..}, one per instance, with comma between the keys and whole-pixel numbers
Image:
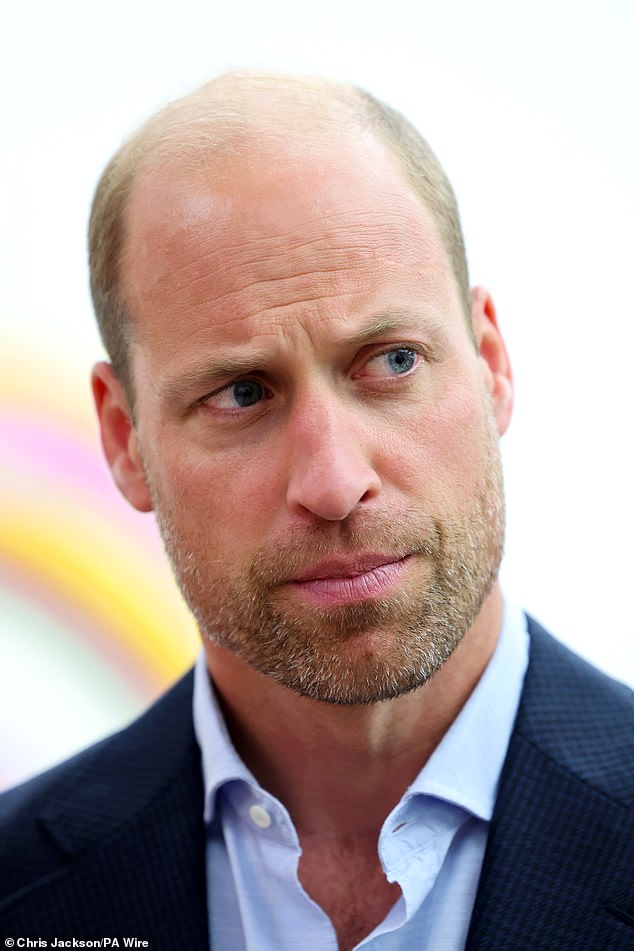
[
  {"x": 495, "y": 361},
  {"x": 119, "y": 438}
]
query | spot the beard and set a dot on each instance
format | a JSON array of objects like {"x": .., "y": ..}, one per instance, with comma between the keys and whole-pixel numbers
[{"x": 355, "y": 653}]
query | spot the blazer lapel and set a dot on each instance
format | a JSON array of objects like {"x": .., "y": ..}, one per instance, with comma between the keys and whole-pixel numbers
[
  {"x": 558, "y": 870},
  {"x": 134, "y": 836}
]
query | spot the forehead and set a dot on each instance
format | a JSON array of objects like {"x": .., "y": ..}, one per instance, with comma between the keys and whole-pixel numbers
[{"x": 317, "y": 231}]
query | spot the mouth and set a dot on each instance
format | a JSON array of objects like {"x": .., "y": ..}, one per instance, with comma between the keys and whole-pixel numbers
[{"x": 346, "y": 581}]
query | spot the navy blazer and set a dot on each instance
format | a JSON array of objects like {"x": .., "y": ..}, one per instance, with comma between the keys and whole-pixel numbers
[{"x": 112, "y": 842}]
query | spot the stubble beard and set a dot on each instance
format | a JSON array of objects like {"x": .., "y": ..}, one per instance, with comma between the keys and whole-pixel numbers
[{"x": 363, "y": 652}]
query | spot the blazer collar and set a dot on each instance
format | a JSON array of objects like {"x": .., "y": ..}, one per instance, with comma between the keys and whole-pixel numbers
[
  {"x": 128, "y": 819},
  {"x": 558, "y": 866}
]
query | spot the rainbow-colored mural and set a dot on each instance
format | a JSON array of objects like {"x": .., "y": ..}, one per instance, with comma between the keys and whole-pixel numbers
[{"x": 91, "y": 622}]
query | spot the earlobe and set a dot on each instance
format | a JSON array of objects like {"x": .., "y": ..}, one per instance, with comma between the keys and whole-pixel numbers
[
  {"x": 119, "y": 438},
  {"x": 496, "y": 364}
]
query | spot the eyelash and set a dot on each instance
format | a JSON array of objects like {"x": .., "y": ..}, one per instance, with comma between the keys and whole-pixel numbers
[
  {"x": 415, "y": 349},
  {"x": 399, "y": 349}
]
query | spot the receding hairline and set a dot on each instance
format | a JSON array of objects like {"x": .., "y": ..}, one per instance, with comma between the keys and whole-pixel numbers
[
  {"x": 231, "y": 109},
  {"x": 222, "y": 118}
]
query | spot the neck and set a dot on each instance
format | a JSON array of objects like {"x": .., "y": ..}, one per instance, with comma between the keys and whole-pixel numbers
[{"x": 343, "y": 768}]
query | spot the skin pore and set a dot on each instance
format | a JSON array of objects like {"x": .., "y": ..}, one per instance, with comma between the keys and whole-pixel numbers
[{"x": 318, "y": 438}]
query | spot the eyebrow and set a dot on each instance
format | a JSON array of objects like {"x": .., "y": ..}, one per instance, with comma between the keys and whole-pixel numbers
[
  {"x": 212, "y": 372},
  {"x": 378, "y": 327},
  {"x": 208, "y": 374}
]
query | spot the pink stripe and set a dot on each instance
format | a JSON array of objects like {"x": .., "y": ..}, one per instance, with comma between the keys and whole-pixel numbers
[
  {"x": 54, "y": 456},
  {"x": 143, "y": 681}
]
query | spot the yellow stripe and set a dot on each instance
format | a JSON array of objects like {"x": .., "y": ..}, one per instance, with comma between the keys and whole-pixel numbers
[{"x": 106, "y": 575}]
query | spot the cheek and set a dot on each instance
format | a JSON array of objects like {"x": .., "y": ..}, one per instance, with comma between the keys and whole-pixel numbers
[
  {"x": 221, "y": 498},
  {"x": 439, "y": 448}
]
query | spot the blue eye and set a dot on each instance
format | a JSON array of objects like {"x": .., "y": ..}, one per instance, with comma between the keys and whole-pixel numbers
[
  {"x": 246, "y": 392},
  {"x": 239, "y": 395},
  {"x": 401, "y": 360},
  {"x": 397, "y": 362}
]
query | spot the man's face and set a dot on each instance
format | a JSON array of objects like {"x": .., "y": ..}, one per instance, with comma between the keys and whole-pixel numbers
[{"x": 313, "y": 419}]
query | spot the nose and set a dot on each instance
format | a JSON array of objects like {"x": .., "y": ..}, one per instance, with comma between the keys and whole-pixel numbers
[{"x": 330, "y": 469}]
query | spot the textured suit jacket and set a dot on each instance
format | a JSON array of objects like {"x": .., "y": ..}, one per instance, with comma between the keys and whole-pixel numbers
[{"x": 112, "y": 842}]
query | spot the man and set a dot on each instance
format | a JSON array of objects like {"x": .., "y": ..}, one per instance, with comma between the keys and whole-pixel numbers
[{"x": 308, "y": 396}]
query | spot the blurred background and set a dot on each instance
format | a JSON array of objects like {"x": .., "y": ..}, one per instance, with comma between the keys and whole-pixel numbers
[{"x": 529, "y": 107}]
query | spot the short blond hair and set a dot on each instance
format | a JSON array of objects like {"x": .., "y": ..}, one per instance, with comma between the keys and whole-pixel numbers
[{"x": 218, "y": 118}]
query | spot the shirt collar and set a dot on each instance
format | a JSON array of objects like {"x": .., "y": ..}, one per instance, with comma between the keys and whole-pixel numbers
[
  {"x": 465, "y": 767},
  {"x": 220, "y": 760}
]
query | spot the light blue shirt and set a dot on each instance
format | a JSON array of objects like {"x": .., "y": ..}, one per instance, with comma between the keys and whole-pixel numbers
[{"x": 432, "y": 843}]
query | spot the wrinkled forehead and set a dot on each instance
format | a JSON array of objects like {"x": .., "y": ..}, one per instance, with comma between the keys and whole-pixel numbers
[
  {"x": 270, "y": 191},
  {"x": 248, "y": 170},
  {"x": 272, "y": 228}
]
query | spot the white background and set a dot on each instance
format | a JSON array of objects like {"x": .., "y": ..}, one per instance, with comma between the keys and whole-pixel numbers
[{"x": 529, "y": 107}]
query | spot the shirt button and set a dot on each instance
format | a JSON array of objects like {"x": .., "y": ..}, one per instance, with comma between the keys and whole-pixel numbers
[{"x": 260, "y": 816}]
